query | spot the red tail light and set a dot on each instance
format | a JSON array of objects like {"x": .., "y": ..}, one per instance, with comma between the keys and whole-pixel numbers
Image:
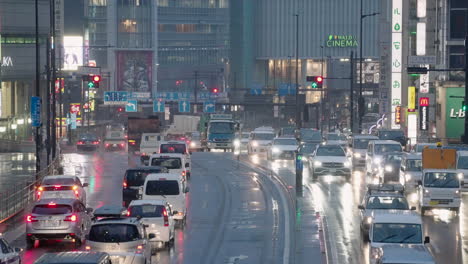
[
  {"x": 30, "y": 219},
  {"x": 125, "y": 184},
  {"x": 71, "y": 218},
  {"x": 129, "y": 212},
  {"x": 188, "y": 141},
  {"x": 80, "y": 142},
  {"x": 166, "y": 217},
  {"x": 95, "y": 142},
  {"x": 139, "y": 249},
  {"x": 183, "y": 173},
  {"x": 39, "y": 195},
  {"x": 107, "y": 144},
  {"x": 122, "y": 144},
  {"x": 57, "y": 186}
]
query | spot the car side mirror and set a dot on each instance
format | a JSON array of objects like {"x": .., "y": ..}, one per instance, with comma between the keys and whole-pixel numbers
[
  {"x": 419, "y": 183},
  {"x": 151, "y": 236},
  {"x": 361, "y": 207},
  {"x": 187, "y": 189},
  {"x": 427, "y": 240},
  {"x": 187, "y": 165},
  {"x": 89, "y": 210},
  {"x": 413, "y": 208},
  {"x": 140, "y": 191},
  {"x": 146, "y": 162},
  {"x": 17, "y": 250},
  {"x": 85, "y": 184}
]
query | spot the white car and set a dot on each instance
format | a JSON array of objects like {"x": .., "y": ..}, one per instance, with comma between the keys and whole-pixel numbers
[
  {"x": 282, "y": 148},
  {"x": 462, "y": 167},
  {"x": 329, "y": 160},
  {"x": 411, "y": 170},
  {"x": 375, "y": 152},
  {"x": 404, "y": 254},
  {"x": 359, "y": 144},
  {"x": 260, "y": 141},
  {"x": 62, "y": 186},
  {"x": 156, "y": 215},
  {"x": 175, "y": 163},
  {"x": 8, "y": 254},
  {"x": 391, "y": 227}
]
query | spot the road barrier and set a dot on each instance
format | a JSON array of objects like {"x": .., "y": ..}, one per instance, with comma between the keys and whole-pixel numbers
[{"x": 21, "y": 195}]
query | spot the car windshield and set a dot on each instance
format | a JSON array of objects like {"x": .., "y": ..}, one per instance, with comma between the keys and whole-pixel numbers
[
  {"x": 336, "y": 137},
  {"x": 263, "y": 136},
  {"x": 413, "y": 165},
  {"x": 393, "y": 158},
  {"x": 162, "y": 188},
  {"x": 173, "y": 148},
  {"x": 137, "y": 177},
  {"x": 222, "y": 127},
  {"x": 311, "y": 135},
  {"x": 462, "y": 162},
  {"x": 281, "y": 141},
  {"x": 114, "y": 233},
  {"x": 307, "y": 148},
  {"x": 397, "y": 233},
  {"x": 170, "y": 163},
  {"x": 385, "y": 148},
  {"x": 420, "y": 147},
  {"x": 287, "y": 131},
  {"x": 330, "y": 151},
  {"x": 387, "y": 202},
  {"x": 146, "y": 210},
  {"x": 391, "y": 134},
  {"x": 361, "y": 143},
  {"x": 245, "y": 135},
  {"x": 58, "y": 181},
  {"x": 49, "y": 209},
  {"x": 441, "y": 180}
]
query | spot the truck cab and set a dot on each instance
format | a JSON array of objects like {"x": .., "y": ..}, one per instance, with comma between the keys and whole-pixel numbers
[
  {"x": 149, "y": 144},
  {"x": 221, "y": 132}
]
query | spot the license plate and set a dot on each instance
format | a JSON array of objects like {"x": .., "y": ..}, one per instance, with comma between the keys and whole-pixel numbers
[
  {"x": 114, "y": 145},
  {"x": 51, "y": 223},
  {"x": 433, "y": 202},
  {"x": 332, "y": 170},
  {"x": 288, "y": 155}
]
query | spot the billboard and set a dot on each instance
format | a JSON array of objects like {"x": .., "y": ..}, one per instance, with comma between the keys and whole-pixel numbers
[
  {"x": 134, "y": 71},
  {"x": 396, "y": 91},
  {"x": 73, "y": 52},
  {"x": 454, "y": 115}
]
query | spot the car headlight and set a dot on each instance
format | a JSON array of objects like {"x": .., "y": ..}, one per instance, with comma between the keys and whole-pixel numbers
[
  {"x": 377, "y": 160},
  {"x": 357, "y": 155},
  {"x": 304, "y": 159},
  {"x": 193, "y": 144},
  {"x": 369, "y": 220},
  {"x": 275, "y": 150},
  {"x": 460, "y": 176},
  {"x": 388, "y": 168},
  {"x": 426, "y": 193},
  {"x": 317, "y": 163},
  {"x": 236, "y": 142},
  {"x": 254, "y": 143},
  {"x": 408, "y": 177},
  {"x": 347, "y": 164}
]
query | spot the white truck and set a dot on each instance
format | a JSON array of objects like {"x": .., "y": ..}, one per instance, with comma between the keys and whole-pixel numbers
[
  {"x": 149, "y": 144},
  {"x": 182, "y": 125}
]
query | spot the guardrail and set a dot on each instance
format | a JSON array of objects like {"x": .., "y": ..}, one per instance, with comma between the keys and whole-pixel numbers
[{"x": 21, "y": 194}]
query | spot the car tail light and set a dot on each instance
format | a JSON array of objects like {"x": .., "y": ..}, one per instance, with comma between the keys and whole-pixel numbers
[
  {"x": 188, "y": 141},
  {"x": 129, "y": 212},
  {"x": 57, "y": 186},
  {"x": 122, "y": 144},
  {"x": 139, "y": 249},
  {"x": 39, "y": 195},
  {"x": 166, "y": 217},
  {"x": 40, "y": 188},
  {"x": 107, "y": 144},
  {"x": 183, "y": 173},
  {"x": 51, "y": 204},
  {"x": 87, "y": 248},
  {"x": 31, "y": 219},
  {"x": 77, "y": 194},
  {"x": 71, "y": 218},
  {"x": 80, "y": 142},
  {"x": 125, "y": 184},
  {"x": 95, "y": 142}
]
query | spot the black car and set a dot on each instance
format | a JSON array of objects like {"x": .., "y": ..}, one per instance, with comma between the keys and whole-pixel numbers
[
  {"x": 390, "y": 171},
  {"x": 134, "y": 179},
  {"x": 395, "y": 135},
  {"x": 88, "y": 142}
]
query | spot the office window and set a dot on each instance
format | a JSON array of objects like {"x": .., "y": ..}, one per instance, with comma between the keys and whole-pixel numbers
[
  {"x": 458, "y": 4},
  {"x": 185, "y": 28},
  {"x": 128, "y": 26},
  {"x": 97, "y": 2},
  {"x": 458, "y": 13},
  {"x": 456, "y": 57}
]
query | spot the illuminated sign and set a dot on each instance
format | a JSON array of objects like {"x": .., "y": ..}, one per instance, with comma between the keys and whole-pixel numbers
[
  {"x": 424, "y": 101},
  {"x": 397, "y": 57},
  {"x": 341, "y": 41},
  {"x": 423, "y": 113},
  {"x": 398, "y": 115},
  {"x": 6, "y": 61},
  {"x": 73, "y": 52},
  {"x": 421, "y": 39},
  {"x": 411, "y": 99},
  {"x": 75, "y": 108}
]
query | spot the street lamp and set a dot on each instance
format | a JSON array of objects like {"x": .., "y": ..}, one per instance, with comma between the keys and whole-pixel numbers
[{"x": 361, "y": 99}]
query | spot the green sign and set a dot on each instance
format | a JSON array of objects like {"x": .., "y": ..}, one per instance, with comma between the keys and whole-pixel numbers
[
  {"x": 454, "y": 115},
  {"x": 341, "y": 41}
]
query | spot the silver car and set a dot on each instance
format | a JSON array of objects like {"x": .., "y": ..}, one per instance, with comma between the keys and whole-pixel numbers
[
  {"x": 76, "y": 257},
  {"x": 124, "y": 239},
  {"x": 53, "y": 219}
]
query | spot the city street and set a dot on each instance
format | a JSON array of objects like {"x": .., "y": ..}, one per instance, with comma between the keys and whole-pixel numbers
[{"x": 234, "y": 215}]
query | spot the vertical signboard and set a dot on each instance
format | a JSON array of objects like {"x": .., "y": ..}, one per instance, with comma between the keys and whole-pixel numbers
[
  {"x": 423, "y": 113},
  {"x": 397, "y": 21},
  {"x": 36, "y": 111},
  {"x": 424, "y": 81},
  {"x": 454, "y": 115},
  {"x": 398, "y": 115},
  {"x": 134, "y": 71},
  {"x": 411, "y": 99}
]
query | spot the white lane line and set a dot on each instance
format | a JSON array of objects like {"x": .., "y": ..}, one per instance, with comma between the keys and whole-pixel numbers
[
  {"x": 206, "y": 187},
  {"x": 234, "y": 260},
  {"x": 205, "y": 204}
]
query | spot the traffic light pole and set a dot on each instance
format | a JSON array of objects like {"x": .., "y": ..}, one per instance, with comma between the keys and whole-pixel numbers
[
  {"x": 37, "y": 90},
  {"x": 465, "y": 135},
  {"x": 53, "y": 140},
  {"x": 351, "y": 94}
]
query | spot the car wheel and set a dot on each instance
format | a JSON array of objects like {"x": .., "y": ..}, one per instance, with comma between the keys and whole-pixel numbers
[
  {"x": 423, "y": 210},
  {"x": 365, "y": 237},
  {"x": 78, "y": 242},
  {"x": 29, "y": 243}
]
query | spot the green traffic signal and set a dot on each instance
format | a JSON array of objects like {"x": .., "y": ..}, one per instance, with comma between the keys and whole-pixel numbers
[
  {"x": 314, "y": 85},
  {"x": 464, "y": 106},
  {"x": 90, "y": 84}
]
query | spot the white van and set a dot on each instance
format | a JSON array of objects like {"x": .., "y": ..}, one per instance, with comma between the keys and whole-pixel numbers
[
  {"x": 149, "y": 145},
  {"x": 170, "y": 187},
  {"x": 260, "y": 140},
  {"x": 174, "y": 162},
  {"x": 462, "y": 167},
  {"x": 375, "y": 152}
]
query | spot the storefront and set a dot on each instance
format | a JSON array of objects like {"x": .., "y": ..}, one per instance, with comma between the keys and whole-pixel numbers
[{"x": 450, "y": 116}]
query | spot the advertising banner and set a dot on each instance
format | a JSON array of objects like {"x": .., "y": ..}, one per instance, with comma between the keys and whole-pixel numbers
[
  {"x": 454, "y": 116},
  {"x": 73, "y": 52},
  {"x": 134, "y": 71},
  {"x": 411, "y": 99}
]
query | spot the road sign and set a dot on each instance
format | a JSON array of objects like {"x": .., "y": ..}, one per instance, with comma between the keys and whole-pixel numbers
[
  {"x": 36, "y": 111},
  {"x": 203, "y": 95},
  {"x": 112, "y": 98},
  {"x": 86, "y": 70},
  {"x": 159, "y": 106},
  {"x": 418, "y": 60},
  {"x": 209, "y": 107},
  {"x": 256, "y": 89},
  {"x": 73, "y": 121},
  {"x": 139, "y": 95},
  {"x": 184, "y": 106},
  {"x": 131, "y": 106},
  {"x": 286, "y": 89}
]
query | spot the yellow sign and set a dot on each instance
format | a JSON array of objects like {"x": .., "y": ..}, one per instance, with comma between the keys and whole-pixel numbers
[{"x": 411, "y": 99}]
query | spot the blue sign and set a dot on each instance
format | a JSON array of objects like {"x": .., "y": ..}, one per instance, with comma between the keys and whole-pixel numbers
[
  {"x": 131, "y": 106},
  {"x": 286, "y": 89},
  {"x": 36, "y": 103},
  {"x": 184, "y": 106},
  {"x": 73, "y": 121},
  {"x": 184, "y": 96},
  {"x": 203, "y": 95},
  {"x": 209, "y": 107},
  {"x": 256, "y": 89},
  {"x": 115, "y": 96},
  {"x": 159, "y": 106}
]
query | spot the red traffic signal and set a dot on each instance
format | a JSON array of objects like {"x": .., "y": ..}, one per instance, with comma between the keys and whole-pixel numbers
[
  {"x": 215, "y": 90},
  {"x": 120, "y": 109},
  {"x": 96, "y": 78},
  {"x": 319, "y": 79}
]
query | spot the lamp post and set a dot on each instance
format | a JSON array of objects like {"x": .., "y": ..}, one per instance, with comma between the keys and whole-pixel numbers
[
  {"x": 37, "y": 92},
  {"x": 321, "y": 91},
  {"x": 361, "y": 99},
  {"x": 298, "y": 113}
]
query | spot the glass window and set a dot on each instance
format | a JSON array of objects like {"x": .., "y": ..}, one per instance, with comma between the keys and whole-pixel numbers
[
  {"x": 307, "y": 148},
  {"x": 441, "y": 180},
  {"x": 97, "y": 2},
  {"x": 284, "y": 141},
  {"x": 58, "y": 181},
  {"x": 146, "y": 210},
  {"x": 390, "y": 135},
  {"x": 387, "y": 202},
  {"x": 397, "y": 233},
  {"x": 221, "y": 127},
  {"x": 170, "y": 163},
  {"x": 330, "y": 151},
  {"x": 336, "y": 137},
  {"x": 457, "y": 24},
  {"x": 114, "y": 233},
  {"x": 458, "y": 4},
  {"x": 138, "y": 177},
  {"x": 4, "y": 247},
  {"x": 311, "y": 135},
  {"x": 361, "y": 143},
  {"x": 263, "y": 136},
  {"x": 162, "y": 188},
  {"x": 48, "y": 209},
  {"x": 173, "y": 148},
  {"x": 462, "y": 162},
  {"x": 413, "y": 165},
  {"x": 385, "y": 148}
]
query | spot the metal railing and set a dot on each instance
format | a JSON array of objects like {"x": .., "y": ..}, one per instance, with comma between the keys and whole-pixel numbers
[{"x": 21, "y": 194}]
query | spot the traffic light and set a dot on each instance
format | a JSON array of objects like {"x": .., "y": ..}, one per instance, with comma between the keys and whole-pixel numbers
[
  {"x": 416, "y": 70},
  {"x": 464, "y": 106},
  {"x": 315, "y": 81},
  {"x": 120, "y": 109},
  {"x": 96, "y": 80},
  {"x": 214, "y": 90}
]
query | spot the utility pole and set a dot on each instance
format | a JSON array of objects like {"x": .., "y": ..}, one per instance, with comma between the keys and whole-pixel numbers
[
  {"x": 196, "y": 87},
  {"x": 53, "y": 141},
  {"x": 37, "y": 90},
  {"x": 49, "y": 89},
  {"x": 351, "y": 95},
  {"x": 321, "y": 91},
  {"x": 465, "y": 136},
  {"x": 361, "y": 99},
  {"x": 298, "y": 113}
]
